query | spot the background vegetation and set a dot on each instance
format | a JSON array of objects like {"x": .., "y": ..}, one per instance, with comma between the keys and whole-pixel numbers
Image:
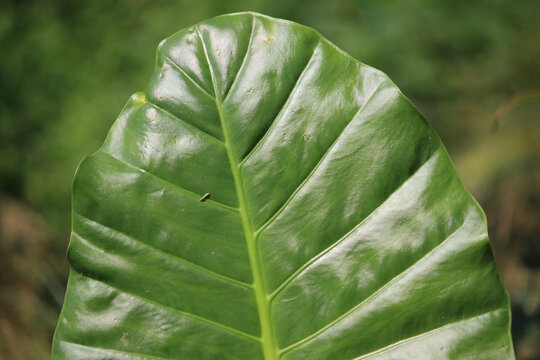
[{"x": 68, "y": 67}]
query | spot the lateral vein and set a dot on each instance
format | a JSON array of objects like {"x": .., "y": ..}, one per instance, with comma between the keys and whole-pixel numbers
[
  {"x": 177, "y": 258},
  {"x": 170, "y": 184},
  {"x": 171, "y": 309}
]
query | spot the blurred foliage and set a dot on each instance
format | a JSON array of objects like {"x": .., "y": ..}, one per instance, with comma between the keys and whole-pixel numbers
[{"x": 68, "y": 67}]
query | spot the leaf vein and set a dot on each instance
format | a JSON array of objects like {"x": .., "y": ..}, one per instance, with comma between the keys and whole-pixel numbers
[
  {"x": 243, "y": 60},
  {"x": 426, "y": 333},
  {"x": 315, "y": 168},
  {"x": 269, "y": 348},
  {"x": 170, "y": 184},
  {"x": 372, "y": 296},
  {"x": 177, "y": 258},
  {"x": 185, "y": 123},
  {"x": 171, "y": 309},
  {"x": 342, "y": 239},
  {"x": 114, "y": 351},
  {"x": 170, "y": 61},
  {"x": 282, "y": 108}
]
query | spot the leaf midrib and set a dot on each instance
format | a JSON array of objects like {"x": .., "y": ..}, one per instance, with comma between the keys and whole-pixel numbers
[{"x": 268, "y": 341}]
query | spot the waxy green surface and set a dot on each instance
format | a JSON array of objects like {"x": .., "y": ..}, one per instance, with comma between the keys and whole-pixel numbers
[{"x": 336, "y": 226}]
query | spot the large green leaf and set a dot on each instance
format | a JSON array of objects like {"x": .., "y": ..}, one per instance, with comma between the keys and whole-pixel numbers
[{"x": 336, "y": 226}]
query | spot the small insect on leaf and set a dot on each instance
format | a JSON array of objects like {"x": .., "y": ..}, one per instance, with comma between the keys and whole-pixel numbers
[{"x": 205, "y": 197}]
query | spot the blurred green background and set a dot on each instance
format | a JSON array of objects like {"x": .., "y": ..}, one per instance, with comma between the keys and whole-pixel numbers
[{"x": 68, "y": 67}]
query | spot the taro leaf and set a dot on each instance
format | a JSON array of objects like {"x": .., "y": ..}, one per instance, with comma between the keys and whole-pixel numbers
[{"x": 271, "y": 197}]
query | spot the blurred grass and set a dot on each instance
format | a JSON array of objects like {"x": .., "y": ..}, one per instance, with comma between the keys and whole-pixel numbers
[{"x": 68, "y": 67}]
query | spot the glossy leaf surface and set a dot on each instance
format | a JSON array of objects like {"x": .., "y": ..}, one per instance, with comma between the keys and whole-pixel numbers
[{"x": 335, "y": 225}]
